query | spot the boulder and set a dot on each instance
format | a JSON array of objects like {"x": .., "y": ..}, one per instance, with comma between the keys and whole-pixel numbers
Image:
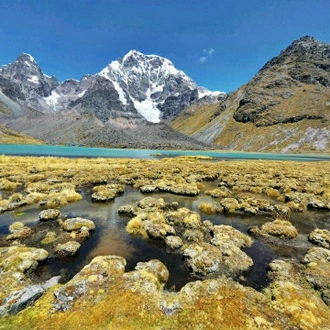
[
  {"x": 230, "y": 205},
  {"x": 75, "y": 224},
  {"x": 173, "y": 242},
  {"x": 184, "y": 217},
  {"x": 318, "y": 270},
  {"x": 49, "y": 238},
  {"x": 156, "y": 267},
  {"x": 278, "y": 228},
  {"x": 21, "y": 299},
  {"x": 151, "y": 204},
  {"x": 21, "y": 259},
  {"x": 223, "y": 234},
  {"x": 18, "y": 230},
  {"x": 320, "y": 237},
  {"x": 203, "y": 259},
  {"x": 230, "y": 241},
  {"x": 158, "y": 230},
  {"x": 105, "y": 193},
  {"x": 128, "y": 210},
  {"x": 50, "y": 214},
  {"x": 67, "y": 249},
  {"x": 99, "y": 273},
  {"x": 316, "y": 255},
  {"x": 66, "y": 295}
]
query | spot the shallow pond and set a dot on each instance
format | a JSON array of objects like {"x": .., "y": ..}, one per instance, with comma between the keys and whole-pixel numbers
[{"x": 110, "y": 237}]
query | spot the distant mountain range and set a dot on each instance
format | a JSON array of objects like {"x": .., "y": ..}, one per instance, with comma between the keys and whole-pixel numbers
[
  {"x": 144, "y": 101},
  {"x": 117, "y": 103},
  {"x": 284, "y": 108}
]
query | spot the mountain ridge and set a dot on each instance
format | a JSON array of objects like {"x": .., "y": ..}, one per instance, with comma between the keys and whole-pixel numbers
[
  {"x": 147, "y": 87},
  {"x": 285, "y": 107}
]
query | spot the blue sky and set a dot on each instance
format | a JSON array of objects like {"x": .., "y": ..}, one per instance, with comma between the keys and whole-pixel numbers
[{"x": 221, "y": 44}]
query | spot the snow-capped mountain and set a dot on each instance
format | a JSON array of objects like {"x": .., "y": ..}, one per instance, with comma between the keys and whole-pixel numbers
[
  {"x": 157, "y": 89},
  {"x": 132, "y": 89},
  {"x": 23, "y": 80}
]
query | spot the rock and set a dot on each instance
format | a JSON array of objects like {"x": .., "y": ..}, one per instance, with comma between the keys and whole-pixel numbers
[
  {"x": 51, "y": 282},
  {"x": 223, "y": 234},
  {"x": 75, "y": 224},
  {"x": 147, "y": 279},
  {"x": 151, "y": 204},
  {"x": 185, "y": 218},
  {"x": 208, "y": 225},
  {"x": 251, "y": 210},
  {"x": 148, "y": 189},
  {"x": 155, "y": 267},
  {"x": 103, "y": 267},
  {"x": 128, "y": 210},
  {"x": 173, "y": 242},
  {"x": 261, "y": 204},
  {"x": 66, "y": 295},
  {"x": 318, "y": 270},
  {"x": 317, "y": 254},
  {"x": 16, "y": 226},
  {"x": 101, "y": 271},
  {"x": 193, "y": 235},
  {"x": 230, "y": 205},
  {"x": 158, "y": 230},
  {"x": 184, "y": 189},
  {"x": 216, "y": 193},
  {"x": 320, "y": 237},
  {"x": 303, "y": 307},
  {"x": 230, "y": 241},
  {"x": 50, "y": 214},
  {"x": 84, "y": 232},
  {"x": 203, "y": 259},
  {"x": 21, "y": 259},
  {"x": 317, "y": 203},
  {"x": 107, "y": 192},
  {"x": 282, "y": 211},
  {"x": 21, "y": 299},
  {"x": 18, "y": 230},
  {"x": 277, "y": 228},
  {"x": 49, "y": 238},
  {"x": 67, "y": 249},
  {"x": 207, "y": 208},
  {"x": 285, "y": 270}
]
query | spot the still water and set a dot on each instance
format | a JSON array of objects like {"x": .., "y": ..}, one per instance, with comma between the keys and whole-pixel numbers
[
  {"x": 110, "y": 237},
  {"x": 65, "y": 151}
]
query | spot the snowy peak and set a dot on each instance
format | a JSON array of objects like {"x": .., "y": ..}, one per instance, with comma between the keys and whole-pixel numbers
[
  {"x": 26, "y": 57},
  {"x": 157, "y": 89},
  {"x": 27, "y": 78},
  {"x": 134, "y": 88}
]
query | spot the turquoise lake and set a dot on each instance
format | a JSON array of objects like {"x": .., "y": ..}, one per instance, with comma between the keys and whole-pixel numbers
[{"x": 72, "y": 151}]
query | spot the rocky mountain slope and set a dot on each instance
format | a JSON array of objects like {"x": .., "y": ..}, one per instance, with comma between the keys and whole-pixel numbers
[
  {"x": 138, "y": 86},
  {"x": 284, "y": 108},
  {"x": 9, "y": 136},
  {"x": 117, "y": 104}
]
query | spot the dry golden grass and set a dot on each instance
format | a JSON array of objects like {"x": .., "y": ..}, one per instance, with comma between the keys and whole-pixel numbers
[
  {"x": 135, "y": 227},
  {"x": 9, "y": 136},
  {"x": 207, "y": 208},
  {"x": 54, "y": 179},
  {"x": 35, "y": 178}
]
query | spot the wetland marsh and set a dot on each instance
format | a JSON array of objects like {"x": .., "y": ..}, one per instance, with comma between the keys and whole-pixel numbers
[{"x": 206, "y": 204}]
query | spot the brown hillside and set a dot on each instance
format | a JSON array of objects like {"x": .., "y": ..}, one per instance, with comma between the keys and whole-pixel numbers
[
  {"x": 284, "y": 108},
  {"x": 9, "y": 136}
]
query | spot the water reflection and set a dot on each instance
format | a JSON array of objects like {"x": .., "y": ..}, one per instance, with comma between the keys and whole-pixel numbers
[{"x": 110, "y": 237}]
